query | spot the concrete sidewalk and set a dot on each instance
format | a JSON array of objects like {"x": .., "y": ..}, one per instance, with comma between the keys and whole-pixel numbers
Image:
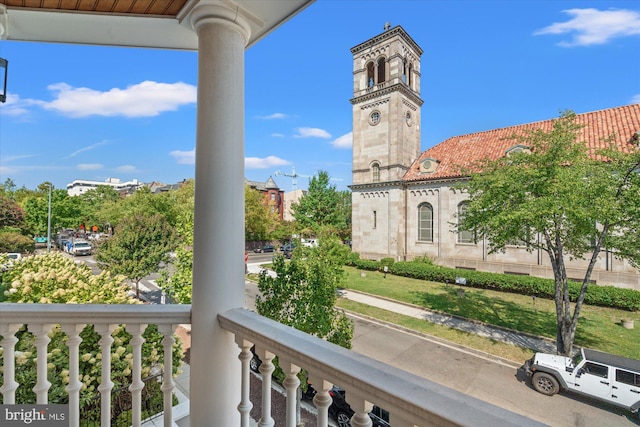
[{"x": 475, "y": 327}]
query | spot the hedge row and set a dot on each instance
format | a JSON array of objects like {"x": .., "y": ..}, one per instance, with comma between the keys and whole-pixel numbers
[{"x": 605, "y": 296}]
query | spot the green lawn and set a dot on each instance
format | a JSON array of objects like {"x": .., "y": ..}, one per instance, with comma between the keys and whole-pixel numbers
[{"x": 599, "y": 328}]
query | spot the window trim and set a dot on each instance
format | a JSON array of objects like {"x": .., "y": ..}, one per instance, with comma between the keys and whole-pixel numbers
[
  {"x": 461, "y": 234},
  {"x": 429, "y": 228},
  {"x": 375, "y": 172}
]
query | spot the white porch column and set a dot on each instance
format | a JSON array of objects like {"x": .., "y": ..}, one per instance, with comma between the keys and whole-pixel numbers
[{"x": 218, "y": 263}]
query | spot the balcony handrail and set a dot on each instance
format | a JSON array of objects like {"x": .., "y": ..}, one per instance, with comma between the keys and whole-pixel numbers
[
  {"x": 422, "y": 401},
  {"x": 154, "y": 314}
]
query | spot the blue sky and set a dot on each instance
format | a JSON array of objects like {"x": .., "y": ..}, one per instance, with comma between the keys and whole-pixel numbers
[{"x": 84, "y": 112}]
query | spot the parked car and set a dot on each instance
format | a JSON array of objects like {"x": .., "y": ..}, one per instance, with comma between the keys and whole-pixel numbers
[
  {"x": 80, "y": 247},
  {"x": 288, "y": 247},
  {"x": 265, "y": 248},
  {"x": 342, "y": 412},
  {"x": 602, "y": 376}
]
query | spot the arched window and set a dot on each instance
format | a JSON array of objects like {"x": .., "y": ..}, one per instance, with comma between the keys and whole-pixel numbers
[
  {"x": 382, "y": 76},
  {"x": 464, "y": 236},
  {"x": 375, "y": 172},
  {"x": 409, "y": 80},
  {"x": 370, "y": 74},
  {"x": 425, "y": 222}
]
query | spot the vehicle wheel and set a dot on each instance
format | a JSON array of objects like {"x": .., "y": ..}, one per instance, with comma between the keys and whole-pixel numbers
[
  {"x": 254, "y": 364},
  {"x": 343, "y": 419},
  {"x": 545, "y": 383}
]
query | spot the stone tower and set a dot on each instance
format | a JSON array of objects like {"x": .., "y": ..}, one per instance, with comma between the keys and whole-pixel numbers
[
  {"x": 386, "y": 106},
  {"x": 386, "y": 140}
]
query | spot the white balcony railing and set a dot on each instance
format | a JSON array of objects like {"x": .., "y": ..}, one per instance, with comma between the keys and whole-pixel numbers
[{"x": 410, "y": 400}]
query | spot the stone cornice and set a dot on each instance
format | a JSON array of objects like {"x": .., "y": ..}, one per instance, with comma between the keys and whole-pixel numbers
[
  {"x": 370, "y": 185},
  {"x": 435, "y": 181},
  {"x": 395, "y": 31},
  {"x": 398, "y": 87}
]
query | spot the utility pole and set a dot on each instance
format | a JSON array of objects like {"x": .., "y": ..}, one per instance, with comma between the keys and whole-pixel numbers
[{"x": 49, "y": 222}]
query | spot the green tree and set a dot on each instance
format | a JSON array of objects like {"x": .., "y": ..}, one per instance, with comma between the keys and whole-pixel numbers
[
  {"x": 178, "y": 283},
  {"x": 560, "y": 198},
  {"x": 302, "y": 293},
  {"x": 321, "y": 206},
  {"x": 139, "y": 244},
  {"x": 11, "y": 214},
  {"x": 284, "y": 230},
  {"x": 258, "y": 220},
  {"x": 66, "y": 212},
  {"x": 8, "y": 187},
  {"x": 96, "y": 201}
]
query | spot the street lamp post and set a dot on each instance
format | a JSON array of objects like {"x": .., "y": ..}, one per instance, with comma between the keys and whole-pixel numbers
[
  {"x": 4, "y": 68},
  {"x": 49, "y": 223}
]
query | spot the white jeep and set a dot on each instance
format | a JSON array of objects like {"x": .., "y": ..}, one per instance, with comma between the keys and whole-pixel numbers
[{"x": 603, "y": 376}]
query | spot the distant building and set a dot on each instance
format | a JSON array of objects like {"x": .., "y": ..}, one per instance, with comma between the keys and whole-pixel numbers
[
  {"x": 80, "y": 186},
  {"x": 159, "y": 187},
  {"x": 290, "y": 198},
  {"x": 273, "y": 195}
]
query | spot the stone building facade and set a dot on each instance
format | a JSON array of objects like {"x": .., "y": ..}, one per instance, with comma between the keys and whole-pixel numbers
[{"x": 403, "y": 201}]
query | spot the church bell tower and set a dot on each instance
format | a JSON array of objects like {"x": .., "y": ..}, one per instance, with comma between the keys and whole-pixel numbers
[{"x": 386, "y": 106}]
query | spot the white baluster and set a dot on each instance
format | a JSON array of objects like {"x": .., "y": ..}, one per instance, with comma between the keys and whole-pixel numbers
[
  {"x": 290, "y": 383},
  {"x": 361, "y": 407},
  {"x": 106, "y": 385},
  {"x": 8, "y": 343},
  {"x": 322, "y": 399},
  {"x": 167, "y": 382},
  {"x": 245, "y": 357},
  {"x": 136, "y": 373},
  {"x": 74, "y": 386},
  {"x": 266, "y": 369},
  {"x": 42, "y": 386}
]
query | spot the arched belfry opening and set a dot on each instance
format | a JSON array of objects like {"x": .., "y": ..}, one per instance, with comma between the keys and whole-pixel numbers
[
  {"x": 370, "y": 74},
  {"x": 382, "y": 76}
]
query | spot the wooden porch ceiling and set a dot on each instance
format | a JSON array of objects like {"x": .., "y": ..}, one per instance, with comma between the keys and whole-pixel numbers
[{"x": 134, "y": 7}]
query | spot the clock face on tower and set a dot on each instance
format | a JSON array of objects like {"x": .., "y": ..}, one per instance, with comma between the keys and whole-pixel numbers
[{"x": 374, "y": 118}]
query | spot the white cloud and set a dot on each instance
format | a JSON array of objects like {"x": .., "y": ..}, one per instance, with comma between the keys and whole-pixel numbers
[
  {"x": 184, "y": 157},
  {"x": 274, "y": 116},
  {"x": 277, "y": 135},
  {"x": 593, "y": 27},
  {"x": 126, "y": 169},
  {"x": 264, "y": 163},
  {"x": 89, "y": 166},
  {"x": 344, "y": 141},
  {"x": 87, "y": 148},
  {"x": 189, "y": 158},
  {"x": 145, "y": 99},
  {"x": 311, "y": 133},
  {"x": 635, "y": 99},
  {"x": 14, "y": 106}
]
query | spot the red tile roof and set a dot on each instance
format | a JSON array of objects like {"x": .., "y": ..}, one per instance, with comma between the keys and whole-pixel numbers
[{"x": 623, "y": 122}]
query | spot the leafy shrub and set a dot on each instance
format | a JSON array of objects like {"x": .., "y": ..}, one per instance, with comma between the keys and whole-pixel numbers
[
  {"x": 424, "y": 259},
  {"x": 12, "y": 241},
  {"x": 388, "y": 262},
  {"x": 605, "y": 296}
]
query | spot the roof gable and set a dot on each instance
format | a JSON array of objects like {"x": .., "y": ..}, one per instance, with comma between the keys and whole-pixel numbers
[{"x": 464, "y": 150}]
